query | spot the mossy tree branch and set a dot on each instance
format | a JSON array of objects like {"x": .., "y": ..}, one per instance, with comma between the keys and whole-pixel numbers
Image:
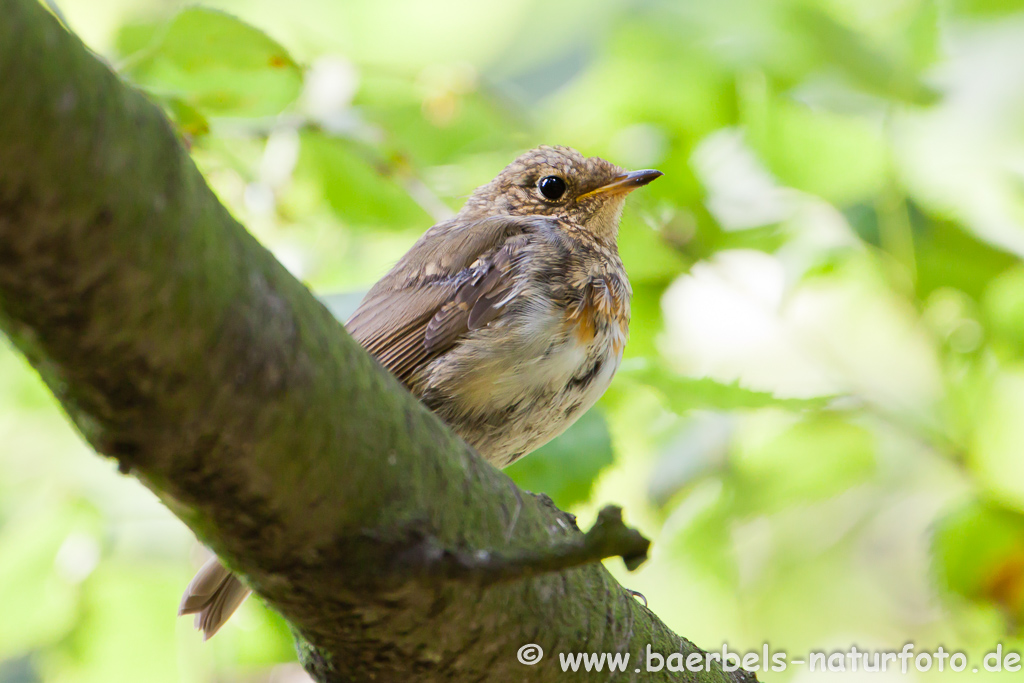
[{"x": 182, "y": 348}]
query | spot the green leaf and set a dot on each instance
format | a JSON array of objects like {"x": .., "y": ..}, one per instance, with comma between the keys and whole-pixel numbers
[
  {"x": 699, "y": 446},
  {"x": 214, "y": 63},
  {"x": 946, "y": 254},
  {"x": 471, "y": 123},
  {"x": 189, "y": 121},
  {"x": 812, "y": 460},
  {"x": 39, "y": 604},
  {"x": 565, "y": 468},
  {"x": 922, "y": 35},
  {"x": 1003, "y": 306},
  {"x": 868, "y": 66},
  {"x": 360, "y": 193},
  {"x": 950, "y": 256},
  {"x": 978, "y": 554},
  {"x": 124, "y": 628},
  {"x": 646, "y": 319},
  {"x": 688, "y": 393},
  {"x": 267, "y": 640},
  {"x": 703, "y": 542},
  {"x": 839, "y": 157},
  {"x": 988, "y": 8},
  {"x": 646, "y": 253},
  {"x": 24, "y": 390},
  {"x": 994, "y": 456},
  {"x": 134, "y": 37}
]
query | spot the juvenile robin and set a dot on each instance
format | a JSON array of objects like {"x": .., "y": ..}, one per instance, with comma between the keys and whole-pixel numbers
[{"x": 508, "y": 320}]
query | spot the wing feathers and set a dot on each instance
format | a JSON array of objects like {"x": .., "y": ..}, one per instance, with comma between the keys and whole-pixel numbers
[
  {"x": 458, "y": 277},
  {"x": 493, "y": 291}
]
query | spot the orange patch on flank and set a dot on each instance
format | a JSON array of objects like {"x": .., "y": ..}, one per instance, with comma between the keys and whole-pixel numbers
[
  {"x": 618, "y": 346},
  {"x": 277, "y": 61},
  {"x": 583, "y": 322},
  {"x": 599, "y": 305}
]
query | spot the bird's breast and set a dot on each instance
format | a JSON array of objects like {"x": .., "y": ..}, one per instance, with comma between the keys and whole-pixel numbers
[{"x": 518, "y": 383}]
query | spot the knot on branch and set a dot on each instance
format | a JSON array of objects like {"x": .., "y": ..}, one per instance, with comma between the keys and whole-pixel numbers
[{"x": 609, "y": 537}]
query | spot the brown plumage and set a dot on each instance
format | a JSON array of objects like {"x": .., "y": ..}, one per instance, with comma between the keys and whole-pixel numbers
[{"x": 508, "y": 320}]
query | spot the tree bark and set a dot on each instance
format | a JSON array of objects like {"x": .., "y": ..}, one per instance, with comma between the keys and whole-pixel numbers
[{"x": 182, "y": 348}]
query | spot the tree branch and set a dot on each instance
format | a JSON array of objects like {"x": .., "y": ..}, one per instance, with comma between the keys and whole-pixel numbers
[
  {"x": 609, "y": 537},
  {"x": 180, "y": 347}
]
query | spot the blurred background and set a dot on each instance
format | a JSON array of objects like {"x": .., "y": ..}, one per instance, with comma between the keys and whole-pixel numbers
[{"x": 820, "y": 417}]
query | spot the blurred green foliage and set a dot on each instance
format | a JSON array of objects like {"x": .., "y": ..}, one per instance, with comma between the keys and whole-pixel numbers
[
  {"x": 818, "y": 417},
  {"x": 212, "y": 62}
]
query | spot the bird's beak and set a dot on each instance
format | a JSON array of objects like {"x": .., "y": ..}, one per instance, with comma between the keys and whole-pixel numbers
[{"x": 625, "y": 183}]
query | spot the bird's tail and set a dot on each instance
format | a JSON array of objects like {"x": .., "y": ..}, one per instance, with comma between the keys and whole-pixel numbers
[{"x": 213, "y": 595}]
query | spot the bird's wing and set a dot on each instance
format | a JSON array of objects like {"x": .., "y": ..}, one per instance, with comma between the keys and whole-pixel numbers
[{"x": 456, "y": 278}]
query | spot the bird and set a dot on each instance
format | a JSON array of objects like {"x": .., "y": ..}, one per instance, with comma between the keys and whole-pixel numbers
[{"x": 507, "y": 320}]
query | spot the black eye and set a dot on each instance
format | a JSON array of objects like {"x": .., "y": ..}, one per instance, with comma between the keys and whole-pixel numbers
[{"x": 552, "y": 187}]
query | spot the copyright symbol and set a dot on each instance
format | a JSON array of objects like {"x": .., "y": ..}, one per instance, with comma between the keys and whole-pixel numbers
[{"x": 530, "y": 654}]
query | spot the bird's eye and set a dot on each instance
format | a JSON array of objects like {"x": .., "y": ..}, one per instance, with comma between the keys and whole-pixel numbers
[{"x": 552, "y": 187}]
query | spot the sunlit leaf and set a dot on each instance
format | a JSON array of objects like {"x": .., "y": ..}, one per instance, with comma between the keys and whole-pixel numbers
[
  {"x": 995, "y": 456},
  {"x": 647, "y": 255},
  {"x": 40, "y": 605},
  {"x": 647, "y": 320},
  {"x": 1003, "y": 304},
  {"x": 700, "y": 446},
  {"x": 189, "y": 120},
  {"x": 945, "y": 254},
  {"x": 24, "y": 390},
  {"x": 214, "y": 63},
  {"x": 813, "y": 459},
  {"x": 267, "y": 641},
  {"x": 363, "y": 195},
  {"x": 435, "y": 127},
  {"x": 866, "y": 65},
  {"x": 989, "y": 8},
  {"x": 978, "y": 553},
  {"x": 135, "y": 36},
  {"x": 766, "y": 239},
  {"x": 124, "y": 628},
  {"x": 949, "y": 256},
  {"x": 923, "y": 36},
  {"x": 688, "y": 393},
  {"x": 702, "y": 539},
  {"x": 839, "y": 157}
]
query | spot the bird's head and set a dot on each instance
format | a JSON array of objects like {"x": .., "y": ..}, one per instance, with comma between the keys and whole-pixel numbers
[{"x": 561, "y": 183}]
